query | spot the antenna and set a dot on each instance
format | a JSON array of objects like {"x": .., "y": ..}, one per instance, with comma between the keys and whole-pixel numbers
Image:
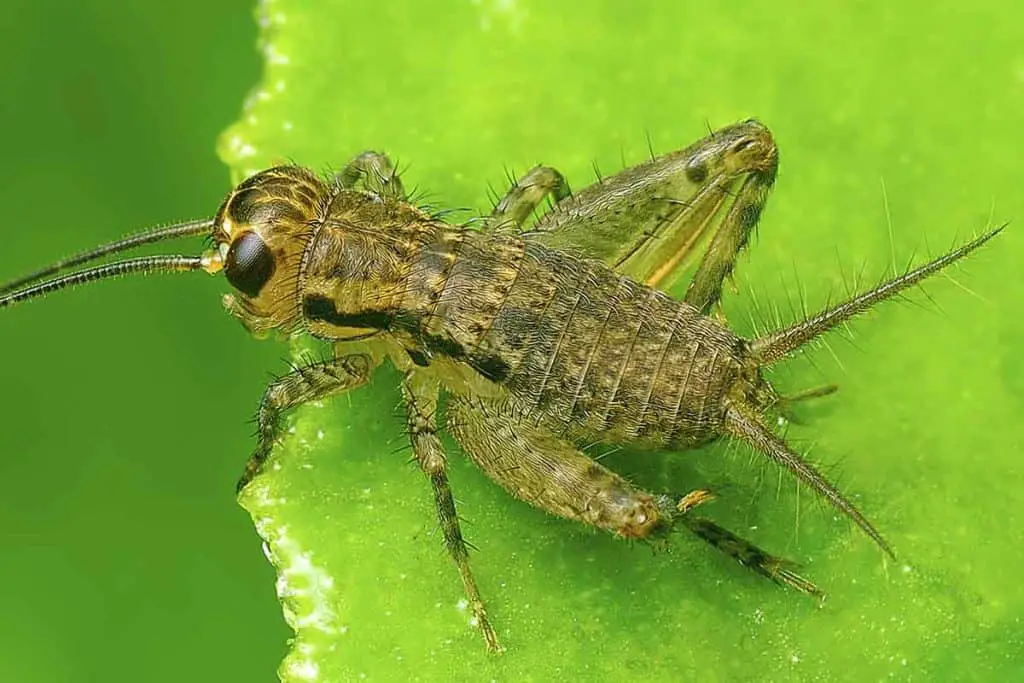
[{"x": 10, "y": 293}]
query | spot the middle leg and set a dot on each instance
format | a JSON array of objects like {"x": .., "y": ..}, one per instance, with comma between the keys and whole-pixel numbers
[
  {"x": 525, "y": 195},
  {"x": 420, "y": 396}
]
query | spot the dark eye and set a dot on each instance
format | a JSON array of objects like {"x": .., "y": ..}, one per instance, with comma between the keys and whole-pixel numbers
[{"x": 249, "y": 264}]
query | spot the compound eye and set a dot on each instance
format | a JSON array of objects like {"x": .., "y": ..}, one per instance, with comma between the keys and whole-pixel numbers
[{"x": 249, "y": 264}]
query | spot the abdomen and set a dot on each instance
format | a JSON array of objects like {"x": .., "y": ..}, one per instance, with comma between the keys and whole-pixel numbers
[{"x": 579, "y": 348}]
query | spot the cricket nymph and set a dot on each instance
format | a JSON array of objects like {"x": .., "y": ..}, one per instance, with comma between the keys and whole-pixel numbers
[
  {"x": 574, "y": 345},
  {"x": 545, "y": 340},
  {"x": 569, "y": 343}
]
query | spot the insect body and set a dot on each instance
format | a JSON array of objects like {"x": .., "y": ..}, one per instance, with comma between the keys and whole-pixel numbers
[{"x": 543, "y": 340}]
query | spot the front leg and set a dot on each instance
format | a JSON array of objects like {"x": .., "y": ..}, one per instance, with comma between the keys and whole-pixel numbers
[
  {"x": 303, "y": 384},
  {"x": 375, "y": 172}
]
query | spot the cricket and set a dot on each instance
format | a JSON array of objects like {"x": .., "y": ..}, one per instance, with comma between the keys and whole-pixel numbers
[{"x": 545, "y": 335}]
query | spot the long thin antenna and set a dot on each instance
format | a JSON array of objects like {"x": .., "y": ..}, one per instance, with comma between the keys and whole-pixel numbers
[
  {"x": 143, "y": 264},
  {"x": 777, "y": 345},
  {"x": 186, "y": 229}
]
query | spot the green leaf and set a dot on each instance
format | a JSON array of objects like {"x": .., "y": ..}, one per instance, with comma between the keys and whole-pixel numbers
[{"x": 884, "y": 114}]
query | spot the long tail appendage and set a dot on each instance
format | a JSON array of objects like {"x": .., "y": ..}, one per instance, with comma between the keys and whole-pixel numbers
[
  {"x": 743, "y": 421},
  {"x": 777, "y": 345}
]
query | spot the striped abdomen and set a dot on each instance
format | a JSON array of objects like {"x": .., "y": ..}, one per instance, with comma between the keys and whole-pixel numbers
[
  {"x": 579, "y": 347},
  {"x": 574, "y": 344}
]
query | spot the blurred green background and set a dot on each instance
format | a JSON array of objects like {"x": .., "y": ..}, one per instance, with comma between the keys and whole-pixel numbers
[
  {"x": 123, "y": 407},
  {"x": 124, "y": 404}
]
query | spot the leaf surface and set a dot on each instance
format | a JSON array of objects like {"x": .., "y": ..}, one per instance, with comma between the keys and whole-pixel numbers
[{"x": 924, "y": 434}]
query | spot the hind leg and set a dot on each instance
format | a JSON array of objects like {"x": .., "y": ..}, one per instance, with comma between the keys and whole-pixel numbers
[
  {"x": 779, "y": 570},
  {"x": 647, "y": 220},
  {"x": 548, "y": 472}
]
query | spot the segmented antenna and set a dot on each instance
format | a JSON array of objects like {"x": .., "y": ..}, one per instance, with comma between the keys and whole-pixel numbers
[
  {"x": 10, "y": 294},
  {"x": 187, "y": 229},
  {"x": 143, "y": 264}
]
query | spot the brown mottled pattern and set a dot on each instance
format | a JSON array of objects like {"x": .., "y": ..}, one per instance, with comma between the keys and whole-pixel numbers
[
  {"x": 430, "y": 270},
  {"x": 578, "y": 347},
  {"x": 475, "y": 289},
  {"x": 541, "y": 351},
  {"x": 615, "y": 360},
  {"x": 360, "y": 260},
  {"x": 280, "y": 205}
]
